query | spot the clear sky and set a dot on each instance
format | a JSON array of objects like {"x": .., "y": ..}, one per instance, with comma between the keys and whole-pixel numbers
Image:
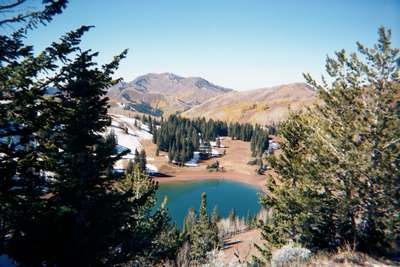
[{"x": 241, "y": 44}]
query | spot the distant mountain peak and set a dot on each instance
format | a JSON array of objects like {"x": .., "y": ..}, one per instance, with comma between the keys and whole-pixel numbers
[
  {"x": 197, "y": 97},
  {"x": 171, "y": 91}
]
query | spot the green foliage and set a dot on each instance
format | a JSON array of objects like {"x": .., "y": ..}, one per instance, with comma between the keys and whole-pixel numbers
[
  {"x": 130, "y": 167},
  {"x": 146, "y": 236},
  {"x": 259, "y": 142},
  {"x": 177, "y": 136},
  {"x": 181, "y": 137},
  {"x": 339, "y": 167},
  {"x": 61, "y": 204},
  {"x": 204, "y": 235},
  {"x": 189, "y": 221},
  {"x": 215, "y": 216},
  {"x": 213, "y": 166},
  {"x": 201, "y": 232},
  {"x": 142, "y": 160}
]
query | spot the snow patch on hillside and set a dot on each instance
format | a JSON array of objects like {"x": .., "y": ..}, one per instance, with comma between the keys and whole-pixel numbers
[
  {"x": 129, "y": 137},
  {"x": 194, "y": 161}
]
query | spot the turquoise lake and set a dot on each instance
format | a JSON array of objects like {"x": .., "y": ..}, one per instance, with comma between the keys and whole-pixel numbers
[{"x": 227, "y": 195}]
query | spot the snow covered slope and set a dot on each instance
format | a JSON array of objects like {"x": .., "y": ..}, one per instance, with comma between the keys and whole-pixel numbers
[{"x": 129, "y": 137}]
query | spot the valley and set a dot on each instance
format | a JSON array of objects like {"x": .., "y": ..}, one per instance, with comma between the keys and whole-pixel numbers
[
  {"x": 199, "y": 133},
  {"x": 234, "y": 162}
]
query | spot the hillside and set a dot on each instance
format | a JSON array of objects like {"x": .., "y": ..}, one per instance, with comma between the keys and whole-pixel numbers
[
  {"x": 261, "y": 106},
  {"x": 129, "y": 137},
  {"x": 166, "y": 92}
]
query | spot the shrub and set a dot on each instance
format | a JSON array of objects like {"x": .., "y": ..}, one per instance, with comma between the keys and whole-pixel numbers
[{"x": 289, "y": 255}]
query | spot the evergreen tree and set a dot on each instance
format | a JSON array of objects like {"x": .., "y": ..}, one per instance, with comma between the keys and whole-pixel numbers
[
  {"x": 170, "y": 155},
  {"x": 154, "y": 138},
  {"x": 204, "y": 237},
  {"x": 189, "y": 221},
  {"x": 59, "y": 165},
  {"x": 146, "y": 237},
  {"x": 142, "y": 161},
  {"x": 130, "y": 167},
  {"x": 339, "y": 168},
  {"x": 22, "y": 117},
  {"x": 136, "y": 158},
  {"x": 215, "y": 216}
]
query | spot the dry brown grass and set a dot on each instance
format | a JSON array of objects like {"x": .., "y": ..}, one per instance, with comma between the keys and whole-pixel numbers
[
  {"x": 243, "y": 246},
  {"x": 234, "y": 163},
  {"x": 260, "y": 106}
]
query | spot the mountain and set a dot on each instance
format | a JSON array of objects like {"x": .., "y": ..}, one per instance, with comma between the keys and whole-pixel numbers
[
  {"x": 265, "y": 105},
  {"x": 164, "y": 92},
  {"x": 167, "y": 93}
]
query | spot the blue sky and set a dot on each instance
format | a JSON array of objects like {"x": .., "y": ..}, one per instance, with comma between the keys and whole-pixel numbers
[{"x": 241, "y": 44}]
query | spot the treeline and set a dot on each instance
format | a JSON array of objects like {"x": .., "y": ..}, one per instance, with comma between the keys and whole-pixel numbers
[
  {"x": 259, "y": 142},
  {"x": 238, "y": 131},
  {"x": 148, "y": 120},
  {"x": 177, "y": 136},
  {"x": 258, "y": 136},
  {"x": 180, "y": 137}
]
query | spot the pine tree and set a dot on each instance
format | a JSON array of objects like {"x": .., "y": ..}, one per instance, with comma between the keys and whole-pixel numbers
[
  {"x": 154, "y": 138},
  {"x": 23, "y": 118},
  {"x": 142, "y": 160},
  {"x": 64, "y": 165},
  {"x": 146, "y": 237},
  {"x": 136, "y": 159},
  {"x": 339, "y": 169},
  {"x": 215, "y": 216},
  {"x": 130, "y": 167},
  {"x": 204, "y": 237},
  {"x": 170, "y": 155},
  {"x": 189, "y": 221}
]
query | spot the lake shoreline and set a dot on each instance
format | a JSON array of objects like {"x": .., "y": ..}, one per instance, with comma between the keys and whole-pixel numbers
[
  {"x": 235, "y": 158},
  {"x": 187, "y": 175}
]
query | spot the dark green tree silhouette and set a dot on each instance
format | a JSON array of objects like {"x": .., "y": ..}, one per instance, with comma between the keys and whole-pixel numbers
[{"x": 339, "y": 168}]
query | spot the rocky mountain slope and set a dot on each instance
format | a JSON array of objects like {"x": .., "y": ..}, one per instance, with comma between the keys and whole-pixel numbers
[
  {"x": 261, "y": 106},
  {"x": 167, "y": 93}
]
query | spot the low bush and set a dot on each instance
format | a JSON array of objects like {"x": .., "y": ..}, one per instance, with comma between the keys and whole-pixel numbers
[{"x": 290, "y": 255}]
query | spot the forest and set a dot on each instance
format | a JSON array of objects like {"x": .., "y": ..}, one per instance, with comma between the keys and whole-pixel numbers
[
  {"x": 181, "y": 137},
  {"x": 336, "y": 179}
]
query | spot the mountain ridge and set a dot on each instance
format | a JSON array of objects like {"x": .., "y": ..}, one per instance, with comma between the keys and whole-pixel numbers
[
  {"x": 192, "y": 97},
  {"x": 263, "y": 106},
  {"x": 167, "y": 91}
]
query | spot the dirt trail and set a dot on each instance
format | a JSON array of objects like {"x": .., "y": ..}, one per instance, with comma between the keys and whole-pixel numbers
[{"x": 241, "y": 246}]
